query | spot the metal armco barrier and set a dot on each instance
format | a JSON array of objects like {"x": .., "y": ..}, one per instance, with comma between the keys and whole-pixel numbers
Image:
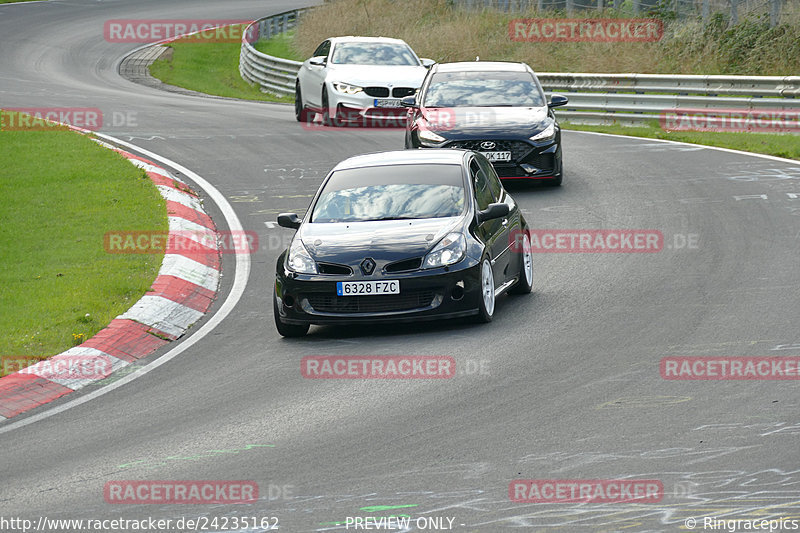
[
  {"x": 273, "y": 74},
  {"x": 593, "y": 98}
]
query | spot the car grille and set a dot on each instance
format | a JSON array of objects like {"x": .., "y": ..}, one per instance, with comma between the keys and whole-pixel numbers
[
  {"x": 332, "y": 268},
  {"x": 543, "y": 161},
  {"x": 377, "y": 92},
  {"x": 404, "y": 265},
  {"x": 402, "y": 92},
  {"x": 518, "y": 149},
  {"x": 330, "y": 303}
]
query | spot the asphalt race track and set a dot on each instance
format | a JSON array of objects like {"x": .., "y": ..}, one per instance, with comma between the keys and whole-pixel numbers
[{"x": 563, "y": 384}]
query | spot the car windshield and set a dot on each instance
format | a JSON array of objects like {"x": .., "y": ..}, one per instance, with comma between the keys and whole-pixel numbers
[
  {"x": 483, "y": 89},
  {"x": 373, "y": 54},
  {"x": 391, "y": 193}
]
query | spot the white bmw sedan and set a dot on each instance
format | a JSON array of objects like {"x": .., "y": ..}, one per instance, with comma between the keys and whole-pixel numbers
[{"x": 353, "y": 80}]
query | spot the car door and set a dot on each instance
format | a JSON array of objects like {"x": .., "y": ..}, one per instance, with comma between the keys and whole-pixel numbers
[
  {"x": 512, "y": 224},
  {"x": 494, "y": 233},
  {"x": 313, "y": 76}
]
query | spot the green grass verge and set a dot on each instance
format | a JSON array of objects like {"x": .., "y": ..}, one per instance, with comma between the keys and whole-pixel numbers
[
  {"x": 781, "y": 145},
  {"x": 281, "y": 45},
  {"x": 208, "y": 67},
  {"x": 59, "y": 194}
]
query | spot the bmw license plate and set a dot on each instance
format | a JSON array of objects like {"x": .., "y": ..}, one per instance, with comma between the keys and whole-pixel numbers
[
  {"x": 497, "y": 156},
  {"x": 387, "y": 102},
  {"x": 367, "y": 288}
]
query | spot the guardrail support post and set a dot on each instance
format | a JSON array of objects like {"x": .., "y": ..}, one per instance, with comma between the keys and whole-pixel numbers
[{"x": 774, "y": 13}]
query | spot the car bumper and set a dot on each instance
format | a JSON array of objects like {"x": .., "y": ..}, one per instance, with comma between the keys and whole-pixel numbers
[
  {"x": 304, "y": 299},
  {"x": 361, "y": 107},
  {"x": 529, "y": 161}
]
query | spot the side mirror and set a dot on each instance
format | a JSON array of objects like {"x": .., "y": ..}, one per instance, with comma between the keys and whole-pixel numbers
[
  {"x": 409, "y": 101},
  {"x": 493, "y": 211},
  {"x": 289, "y": 220},
  {"x": 427, "y": 63},
  {"x": 557, "y": 100},
  {"x": 318, "y": 61}
]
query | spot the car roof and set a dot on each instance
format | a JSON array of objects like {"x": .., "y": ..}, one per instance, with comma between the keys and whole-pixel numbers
[
  {"x": 404, "y": 157},
  {"x": 477, "y": 66},
  {"x": 358, "y": 39}
]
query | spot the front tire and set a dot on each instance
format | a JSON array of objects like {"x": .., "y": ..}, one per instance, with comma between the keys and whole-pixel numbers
[
  {"x": 301, "y": 113},
  {"x": 327, "y": 120},
  {"x": 487, "y": 302},
  {"x": 287, "y": 330}
]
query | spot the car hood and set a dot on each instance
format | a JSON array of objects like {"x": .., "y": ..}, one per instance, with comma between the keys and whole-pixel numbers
[
  {"x": 486, "y": 122},
  {"x": 385, "y": 241},
  {"x": 367, "y": 75}
]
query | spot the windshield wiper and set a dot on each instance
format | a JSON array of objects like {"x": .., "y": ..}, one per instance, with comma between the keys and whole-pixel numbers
[{"x": 394, "y": 218}]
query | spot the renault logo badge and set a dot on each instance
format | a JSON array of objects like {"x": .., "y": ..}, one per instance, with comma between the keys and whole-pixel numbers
[{"x": 367, "y": 266}]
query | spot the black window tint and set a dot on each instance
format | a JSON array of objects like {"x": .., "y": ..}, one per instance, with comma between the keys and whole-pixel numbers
[
  {"x": 483, "y": 193},
  {"x": 491, "y": 175},
  {"x": 323, "y": 49}
]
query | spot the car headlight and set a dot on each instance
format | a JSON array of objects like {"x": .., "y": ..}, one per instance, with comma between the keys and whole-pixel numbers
[
  {"x": 347, "y": 88},
  {"x": 430, "y": 136},
  {"x": 546, "y": 134},
  {"x": 450, "y": 250},
  {"x": 299, "y": 259}
]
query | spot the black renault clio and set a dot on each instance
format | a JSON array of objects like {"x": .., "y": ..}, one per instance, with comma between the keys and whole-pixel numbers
[
  {"x": 494, "y": 107},
  {"x": 402, "y": 236}
]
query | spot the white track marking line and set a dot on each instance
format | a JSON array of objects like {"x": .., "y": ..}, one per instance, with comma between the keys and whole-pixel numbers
[{"x": 721, "y": 149}]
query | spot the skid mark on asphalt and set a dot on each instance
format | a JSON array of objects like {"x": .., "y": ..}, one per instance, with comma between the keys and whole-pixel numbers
[
  {"x": 642, "y": 401},
  {"x": 148, "y": 464},
  {"x": 727, "y": 347}
]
